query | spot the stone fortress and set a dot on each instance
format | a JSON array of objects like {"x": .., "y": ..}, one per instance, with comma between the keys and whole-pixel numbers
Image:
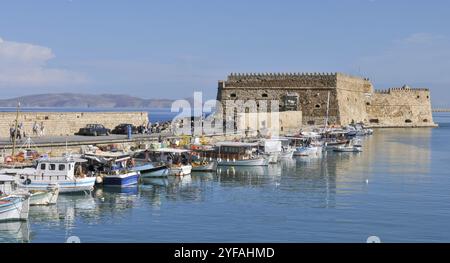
[{"x": 346, "y": 98}]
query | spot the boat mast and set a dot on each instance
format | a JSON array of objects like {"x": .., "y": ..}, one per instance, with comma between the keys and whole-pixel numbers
[
  {"x": 16, "y": 124},
  {"x": 328, "y": 108}
]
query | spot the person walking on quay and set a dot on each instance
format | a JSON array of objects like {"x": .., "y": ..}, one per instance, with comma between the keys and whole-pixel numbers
[
  {"x": 42, "y": 128},
  {"x": 36, "y": 129},
  {"x": 11, "y": 133},
  {"x": 149, "y": 128}
]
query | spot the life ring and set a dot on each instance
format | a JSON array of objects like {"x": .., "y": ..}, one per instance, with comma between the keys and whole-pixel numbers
[{"x": 8, "y": 159}]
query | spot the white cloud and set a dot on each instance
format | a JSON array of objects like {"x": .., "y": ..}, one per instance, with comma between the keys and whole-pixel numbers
[{"x": 25, "y": 65}]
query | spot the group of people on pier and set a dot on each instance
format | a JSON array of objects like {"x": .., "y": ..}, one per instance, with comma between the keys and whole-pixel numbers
[{"x": 38, "y": 130}]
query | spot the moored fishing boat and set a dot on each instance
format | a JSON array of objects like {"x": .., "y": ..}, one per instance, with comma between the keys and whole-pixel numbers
[
  {"x": 114, "y": 168},
  {"x": 204, "y": 166},
  {"x": 121, "y": 178},
  {"x": 152, "y": 170},
  {"x": 14, "y": 207},
  {"x": 148, "y": 167},
  {"x": 66, "y": 171},
  {"x": 9, "y": 186},
  {"x": 240, "y": 154},
  {"x": 202, "y": 158},
  {"x": 177, "y": 160}
]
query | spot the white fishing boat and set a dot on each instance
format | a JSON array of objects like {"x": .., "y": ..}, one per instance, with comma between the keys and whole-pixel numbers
[
  {"x": 66, "y": 171},
  {"x": 240, "y": 154},
  {"x": 148, "y": 167},
  {"x": 204, "y": 165},
  {"x": 307, "y": 150},
  {"x": 9, "y": 186},
  {"x": 287, "y": 153},
  {"x": 39, "y": 197},
  {"x": 202, "y": 158},
  {"x": 177, "y": 160},
  {"x": 14, "y": 207}
]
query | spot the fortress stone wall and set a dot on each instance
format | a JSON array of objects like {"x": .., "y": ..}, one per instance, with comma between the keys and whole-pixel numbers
[
  {"x": 351, "y": 99},
  {"x": 68, "y": 123},
  {"x": 400, "y": 107}
]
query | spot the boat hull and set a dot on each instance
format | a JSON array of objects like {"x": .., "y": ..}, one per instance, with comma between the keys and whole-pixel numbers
[
  {"x": 286, "y": 154},
  {"x": 44, "y": 197},
  {"x": 15, "y": 208},
  {"x": 78, "y": 185},
  {"x": 210, "y": 167},
  {"x": 180, "y": 170},
  {"x": 151, "y": 171},
  {"x": 130, "y": 178},
  {"x": 307, "y": 151}
]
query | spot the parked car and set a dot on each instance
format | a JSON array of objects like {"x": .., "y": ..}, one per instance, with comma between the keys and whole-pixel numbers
[
  {"x": 123, "y": 129},
  {"x": 94, "y": 130}
]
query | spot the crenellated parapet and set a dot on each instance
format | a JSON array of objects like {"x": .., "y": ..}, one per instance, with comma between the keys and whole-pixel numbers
[
  {"x": 404, "y": 89},
  {"x": 297, "y": 79}
]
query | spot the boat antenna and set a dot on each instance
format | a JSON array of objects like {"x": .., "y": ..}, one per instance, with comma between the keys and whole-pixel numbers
[{"x": 16, "y": 124}]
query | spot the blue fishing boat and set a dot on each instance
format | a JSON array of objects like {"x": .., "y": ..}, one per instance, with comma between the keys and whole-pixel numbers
[
  {"x": 115, "y": 168},
  {"x": 123, "y": 178}
]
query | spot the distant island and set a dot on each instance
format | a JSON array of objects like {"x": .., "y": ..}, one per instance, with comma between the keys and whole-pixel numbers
[{"x": 74, "y": 100}]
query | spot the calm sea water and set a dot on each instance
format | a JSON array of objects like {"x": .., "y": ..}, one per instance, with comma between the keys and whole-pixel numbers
[{"x": 397, "y": 189}]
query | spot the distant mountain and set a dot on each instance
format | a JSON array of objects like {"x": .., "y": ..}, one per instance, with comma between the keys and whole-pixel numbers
[{"x": 85, "y": 101}]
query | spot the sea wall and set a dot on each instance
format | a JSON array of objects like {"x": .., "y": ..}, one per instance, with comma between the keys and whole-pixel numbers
[
  {"x": 68, "y": 123},
  {"x": 400, "y": 107}
]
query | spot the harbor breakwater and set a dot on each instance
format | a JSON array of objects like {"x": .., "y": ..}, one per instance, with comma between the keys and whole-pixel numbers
[{"x": 68, "y": 123}]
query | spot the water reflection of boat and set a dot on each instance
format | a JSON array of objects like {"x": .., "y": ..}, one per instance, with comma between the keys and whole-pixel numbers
[
  {"x": 44, "y": 214},
  {"x": 14, "y": 232},
  {"x": 131, "y": 189},
  {"x": 242, "y": 170},
  {"x": 155, "y": 181},
  {"x": 168, "y": 181},
  {"x": 205, "y": 176}
]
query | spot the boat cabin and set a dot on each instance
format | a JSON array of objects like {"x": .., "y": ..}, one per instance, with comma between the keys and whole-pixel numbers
[
  {"x": 171, "y": 156},
  {"x": 58, "y": 169},
  {"x": 7, "y": 184},
  {"x": 237, "y": 150}
]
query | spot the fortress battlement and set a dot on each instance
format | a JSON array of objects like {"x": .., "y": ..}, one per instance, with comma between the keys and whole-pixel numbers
[{"x": 405, "y": 89}]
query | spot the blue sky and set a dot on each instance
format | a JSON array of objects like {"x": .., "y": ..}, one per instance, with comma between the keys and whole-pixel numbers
[{"x": 168, "y": 49}]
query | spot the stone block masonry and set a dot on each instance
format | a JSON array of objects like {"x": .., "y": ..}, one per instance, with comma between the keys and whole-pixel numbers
[
  {"x": 352, "y": 99},
  {"x": 68, "y": 123}
]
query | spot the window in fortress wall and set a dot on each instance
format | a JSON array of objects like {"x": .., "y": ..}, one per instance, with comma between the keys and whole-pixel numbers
[{"x": 408, "y": 121}]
